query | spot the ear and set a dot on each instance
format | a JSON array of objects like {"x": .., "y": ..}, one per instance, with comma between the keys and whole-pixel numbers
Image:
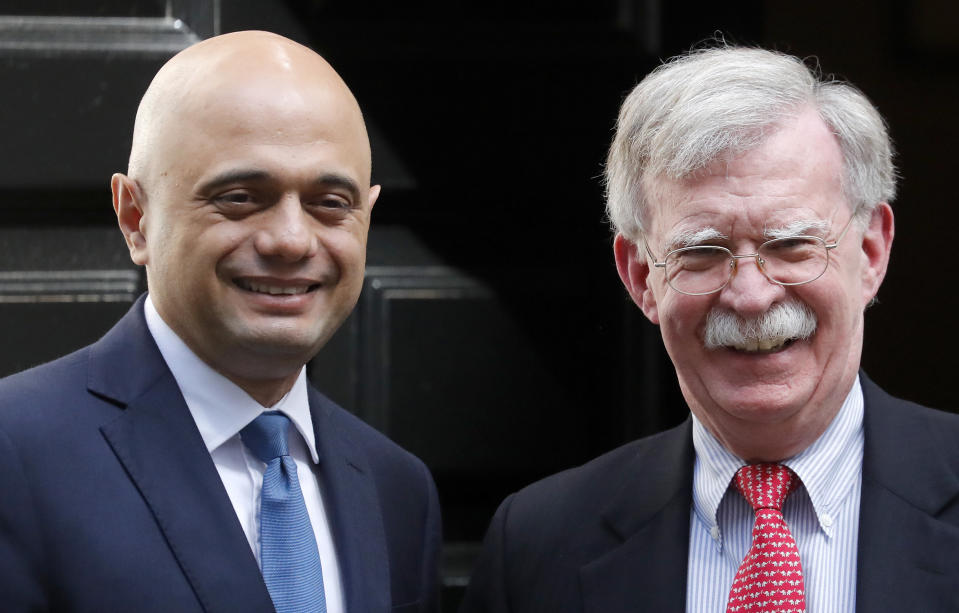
[
  {"x": 374, "y": 194},
  {"x": 128, "y": 205},
  {"x": 876, "y": 246},
  {"x": 633, "y": 268}
]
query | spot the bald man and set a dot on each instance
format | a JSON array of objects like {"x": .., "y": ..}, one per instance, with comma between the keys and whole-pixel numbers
[{"x": 132, "y": 478}]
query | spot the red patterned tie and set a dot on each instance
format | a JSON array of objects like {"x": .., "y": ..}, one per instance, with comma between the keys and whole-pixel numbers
[{"x": 770, "y": 577}]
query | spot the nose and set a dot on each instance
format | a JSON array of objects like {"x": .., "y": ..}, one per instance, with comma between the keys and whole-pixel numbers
[
  {"x": 749, "y": 292},
  {"x": 286, "y": 232}
]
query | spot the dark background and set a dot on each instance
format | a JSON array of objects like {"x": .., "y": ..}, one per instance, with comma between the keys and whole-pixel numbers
[{"x": 493, "y": 337}]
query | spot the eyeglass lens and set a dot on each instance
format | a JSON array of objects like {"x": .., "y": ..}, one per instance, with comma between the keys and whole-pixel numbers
[{"x": 789, "y": 261}]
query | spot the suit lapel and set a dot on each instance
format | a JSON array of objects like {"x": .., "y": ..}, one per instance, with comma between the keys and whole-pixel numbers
[
  {"x": 646, "y": 569},
  {"x": 907, "y": 559},
  {"x": 156, "y": 440},
  {"x": 354, "y": 511}
]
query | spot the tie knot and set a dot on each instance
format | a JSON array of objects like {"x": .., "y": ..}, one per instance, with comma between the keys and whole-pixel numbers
[
  {"x": 266, "y": 436},
  {"x": 765, "y": 486}
]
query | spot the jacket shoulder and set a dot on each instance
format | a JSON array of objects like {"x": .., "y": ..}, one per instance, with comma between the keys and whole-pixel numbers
[
  {"x": 585, "y": 491},
  {"x": 541, "y": 537},
  {"x": 38, "y": 393},
  {"x": 887, "y": 414},
  {"x": 378, "y": 447}
]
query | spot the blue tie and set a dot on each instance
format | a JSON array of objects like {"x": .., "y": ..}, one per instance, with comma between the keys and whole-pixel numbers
[{"x": 289, "y": 559}]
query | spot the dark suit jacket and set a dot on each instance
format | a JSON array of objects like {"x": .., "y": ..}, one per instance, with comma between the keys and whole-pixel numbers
[
  {"x": 612, "y": 536},
  {"x": 109, "y": 500}
]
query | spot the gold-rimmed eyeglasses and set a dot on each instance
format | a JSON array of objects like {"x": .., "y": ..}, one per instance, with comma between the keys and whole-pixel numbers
[{"x": 789, "y": 260}]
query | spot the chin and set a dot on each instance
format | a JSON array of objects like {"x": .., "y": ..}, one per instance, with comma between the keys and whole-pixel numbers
[
  {"x": 279, "y": 342},
  {"x": 762, "y": 411},
  {"x": 749, "y": 398}
]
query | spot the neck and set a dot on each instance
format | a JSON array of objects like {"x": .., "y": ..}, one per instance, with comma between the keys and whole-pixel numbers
[
  {"x": 267, "y": 392},
  {"x": 769, "y": 442}
]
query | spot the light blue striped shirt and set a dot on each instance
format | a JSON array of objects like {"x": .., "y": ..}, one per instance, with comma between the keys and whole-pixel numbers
[{"x": 822, "y": 514}]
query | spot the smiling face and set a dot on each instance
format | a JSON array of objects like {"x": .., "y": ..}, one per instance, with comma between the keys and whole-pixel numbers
[
  {"x": 764, "y": 399},
  {"x": 251, "y": 213}
]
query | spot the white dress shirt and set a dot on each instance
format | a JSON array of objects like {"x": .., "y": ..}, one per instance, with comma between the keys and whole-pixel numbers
[
  {"x": 221, "y": 409},
  {"x": 822, "y": 514}
]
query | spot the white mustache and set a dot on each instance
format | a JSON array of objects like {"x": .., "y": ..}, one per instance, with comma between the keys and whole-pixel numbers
[{"x": 784, "y": 321}]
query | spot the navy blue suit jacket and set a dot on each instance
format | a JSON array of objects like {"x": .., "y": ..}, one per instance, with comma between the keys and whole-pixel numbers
[
  {"x": 612, "y": 536},
  {"x": 109, "y": 500}
]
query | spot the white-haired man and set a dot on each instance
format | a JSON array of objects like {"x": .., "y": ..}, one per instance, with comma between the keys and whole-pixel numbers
[{"x": 750, "y": 200}]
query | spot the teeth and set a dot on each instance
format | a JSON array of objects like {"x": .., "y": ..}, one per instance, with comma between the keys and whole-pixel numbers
[
  {"x": 768, "y": 344},
  {"x": 274, "y": 290},
  {"x": 765, "y": 344}
]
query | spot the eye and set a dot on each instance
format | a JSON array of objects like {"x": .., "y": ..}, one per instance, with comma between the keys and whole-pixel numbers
[
  {"x": 331, "y": 203},
  {"x": 236, "y": 202},
  {"x": 793, "y": 248},
  {"x": 234, "y": 197},
  {"x": 335, "y": 202},
  {"x": 696, "y": 259},
  {"x": 237, "y": 197},
  {"x": 787, "y": 244}
]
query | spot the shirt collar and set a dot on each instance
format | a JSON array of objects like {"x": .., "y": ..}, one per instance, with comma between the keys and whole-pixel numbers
[
  {"x": 827, "y": 468},
  {"x": 219, "y": 407}
]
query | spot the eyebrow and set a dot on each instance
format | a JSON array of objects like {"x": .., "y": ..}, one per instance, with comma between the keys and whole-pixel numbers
[
  {"x": 340, "y": 181},
  {"x": 253, "y": 175},
  {"x": 691, "y": 238},
  {"x": 242, "y": 175},
  {"x": 798, "y": 227}
]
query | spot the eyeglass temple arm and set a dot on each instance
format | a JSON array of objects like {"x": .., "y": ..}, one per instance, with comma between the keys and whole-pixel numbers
[
  {"x": 845, "y": 229},
  {"x": 653, "y": 257}
]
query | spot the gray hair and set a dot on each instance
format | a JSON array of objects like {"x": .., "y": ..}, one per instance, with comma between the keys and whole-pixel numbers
[{"x": 725, "y": 101}]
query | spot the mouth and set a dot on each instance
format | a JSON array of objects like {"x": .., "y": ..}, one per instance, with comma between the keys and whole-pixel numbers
[
  {"x": 765, "y": 345},
  {"x": 293, "y": 288}
]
